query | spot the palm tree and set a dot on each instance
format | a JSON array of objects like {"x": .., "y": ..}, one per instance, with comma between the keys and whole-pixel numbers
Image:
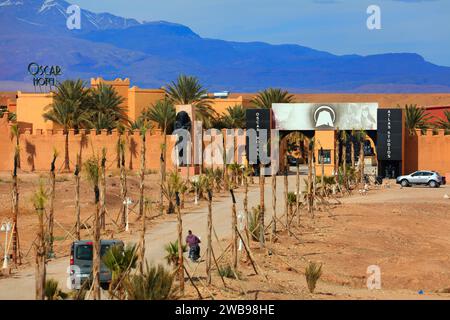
[
  {"x": 416, "y": 118},
  {"x": 69, "y": 110},
  {"x": 106, "y": 111},
  {"x": 265, "y": 98},
  {"x": 15, "y": 194},
  {"x": 39, "y": 199},
  {"x": 163, "y": 113},
  {"x": 188, "y": 90},
  {"x": 445, "y": 123},
  {"x": 119, "y": 261},
  {"x": 61, "y": 113},
  {"x": 235, "y": 117},
  {"x": 93, "y": 176}
]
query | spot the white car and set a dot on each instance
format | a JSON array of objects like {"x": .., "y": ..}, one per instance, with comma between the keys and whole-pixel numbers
[{"x": 424, "y": 177}]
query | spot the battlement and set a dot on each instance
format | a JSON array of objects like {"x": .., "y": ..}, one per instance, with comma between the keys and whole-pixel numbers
[
  {"x": 115, "y": 82},
  {"x": 432, "y": 132}
]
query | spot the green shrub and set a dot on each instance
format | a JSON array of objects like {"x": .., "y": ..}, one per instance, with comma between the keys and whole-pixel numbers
[
  {"x": 253, "y": 223},
  {"x": 227, "y": 272}
]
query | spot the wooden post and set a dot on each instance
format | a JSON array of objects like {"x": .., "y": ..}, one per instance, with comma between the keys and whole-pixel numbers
[
  {"x": 180, "y": 245},
  {"x": 77, "y": 196},
  {"x": 234, "y": 240},
  {"x": 261, "y": 203},
  {"x": 209, "y": 239}
]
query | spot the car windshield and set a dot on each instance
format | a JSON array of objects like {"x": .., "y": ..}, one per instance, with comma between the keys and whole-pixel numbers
[{"x": 84, "y": 251}]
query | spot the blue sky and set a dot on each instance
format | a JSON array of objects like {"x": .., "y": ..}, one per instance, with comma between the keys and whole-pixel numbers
[{"x": 337, "y": 26}]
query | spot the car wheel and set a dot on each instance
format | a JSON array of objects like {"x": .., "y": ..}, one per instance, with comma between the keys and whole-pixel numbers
[
  {"x": 433, "y": 184},
  {"x": 404, "y": 183}
]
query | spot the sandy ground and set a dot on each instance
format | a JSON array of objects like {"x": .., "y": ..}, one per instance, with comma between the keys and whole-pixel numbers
[{"x": 403, "y": 231}]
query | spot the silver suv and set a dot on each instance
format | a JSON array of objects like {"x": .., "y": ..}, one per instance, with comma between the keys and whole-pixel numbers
[{"x": 430, "y": 178}]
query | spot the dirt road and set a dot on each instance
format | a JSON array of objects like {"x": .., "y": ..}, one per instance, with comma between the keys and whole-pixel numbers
[{"x": 404, "y": 231}]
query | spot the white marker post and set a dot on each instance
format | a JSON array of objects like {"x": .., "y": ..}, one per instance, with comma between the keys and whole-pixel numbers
[
  {"x": 241, "y": 227},
  {"x": 6, "y": 227},
  {"x": 127, "y": 202}
]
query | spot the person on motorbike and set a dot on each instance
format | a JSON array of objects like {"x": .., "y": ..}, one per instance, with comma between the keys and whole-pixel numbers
[{"x": 194, "y": 248}]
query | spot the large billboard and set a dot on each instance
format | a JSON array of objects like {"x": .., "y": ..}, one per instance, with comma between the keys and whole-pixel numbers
[{"x": 320, "y": 116}]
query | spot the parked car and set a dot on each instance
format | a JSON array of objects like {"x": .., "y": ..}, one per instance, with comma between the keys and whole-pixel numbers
[
  {"x": 81, "y": 253},
  {"x": 430, "y": 178}
]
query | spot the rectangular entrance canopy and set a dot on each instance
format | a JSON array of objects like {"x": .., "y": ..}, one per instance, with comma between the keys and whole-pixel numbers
[{"x": 325, "y": 116}]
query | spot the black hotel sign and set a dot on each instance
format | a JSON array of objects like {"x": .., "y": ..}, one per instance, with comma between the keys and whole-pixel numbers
[{"x": 390, "y": 134}]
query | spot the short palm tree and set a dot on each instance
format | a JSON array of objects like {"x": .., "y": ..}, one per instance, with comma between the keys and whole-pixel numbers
[
  {"x": 172, "y": 253},
  {"x": 188, "y": 90},
  {"x": 156, "y": 283},
  {"x": 416, "y": 118},
  {"x": 173, "y": 185},
  {"x": 265, "y": 98},
  {"x": 119, "y": 261}
]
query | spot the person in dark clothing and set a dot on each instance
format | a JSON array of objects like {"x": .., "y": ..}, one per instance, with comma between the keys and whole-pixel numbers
[{"x": 194, "y": 249}]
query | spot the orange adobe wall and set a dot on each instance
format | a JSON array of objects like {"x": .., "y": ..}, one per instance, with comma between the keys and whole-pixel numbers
[
  {"x": 428, "y": 152},
  {"x": 140, "y": 99},
  {"x": 29, "y": 110}
]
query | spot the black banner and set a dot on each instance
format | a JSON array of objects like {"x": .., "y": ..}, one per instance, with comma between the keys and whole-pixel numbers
[
  {"x": 390, "y": 134},
  {"x": 257, "y": 119}
]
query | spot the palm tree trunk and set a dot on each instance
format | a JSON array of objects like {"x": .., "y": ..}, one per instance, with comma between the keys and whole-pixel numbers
[
  {"x": 51, "y": 216},
  {"x": 142, "y": 177},
  {"x": 103, "y": 191},
  {"x": 336, "y": 157},
  {"x": 352, "y": 145},
  {"x": 310, "y": 182},
  {"x": 15, "y": 208},
  {"x": 180, "y": 248},
  {"x": 361, "y": 160},
  {"x": 297, "y": 200},
  {"x": 234, "y": 242},
  {"x": 274, "y": 205},
  {"x": 96, "y": 262},
  {"x": 40, "y": 272},
  {"x": 66, "y": 152},
  {"x": 322, "y": 177},
  {"x": 162, "y": 165},
  {"x": 209, "y": 241},
  {"x": 77, "y": 196},
  {"x": 344, "y": 164},
  {"x": 286, "y": 200},
  {"x": 246, "y": 206},
  {"x": 261, "y": 204},
  {"x": 123, "y": 188},
  {"x": 142, "y": 244}
]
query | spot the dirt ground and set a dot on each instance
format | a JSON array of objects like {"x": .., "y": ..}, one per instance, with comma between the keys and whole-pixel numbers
[{"x": 403, "y": 231}]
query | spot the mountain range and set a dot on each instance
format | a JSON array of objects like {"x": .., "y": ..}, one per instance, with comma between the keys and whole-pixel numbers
[{"x": 152, "y": 54}]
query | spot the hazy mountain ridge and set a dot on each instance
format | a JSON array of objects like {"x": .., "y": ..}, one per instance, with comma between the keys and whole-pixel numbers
[{"x": 153, "y": 53}]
